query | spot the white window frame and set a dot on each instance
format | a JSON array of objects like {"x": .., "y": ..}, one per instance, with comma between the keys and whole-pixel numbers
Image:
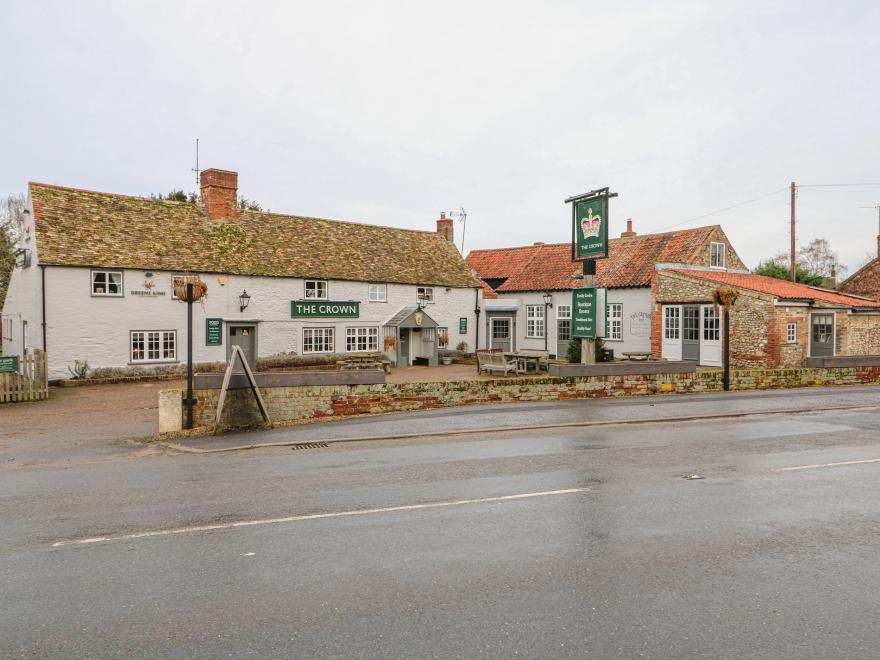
[
  {"x": 161, "y": 339},
  {"x": 614, "y": 322},
  {"x": 425, "y": 294},
  {"x": 107, "y": 274},
  {"x": 672, "y": 331},
  {"x": 365, "y": 339},
  {"x": 377, "y": 292},
  {"x": 711, "y": 324},
  {"x": 563, "y": 312},
  {"x": 174, "y": 279},
  {"x": 717, "y": 250},
  {"x": 7, "y": 328},
  {"x": 791, "y": 333},
  {"x": 326, "y": 336},
  {"x": 317, "y": 286},
  {"x": 535, "y": 321}
]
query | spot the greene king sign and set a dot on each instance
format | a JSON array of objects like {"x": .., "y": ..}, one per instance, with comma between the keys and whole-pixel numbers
[{"x": 325, "y": 309}]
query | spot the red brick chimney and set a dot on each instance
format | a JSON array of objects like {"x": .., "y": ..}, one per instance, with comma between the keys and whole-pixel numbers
[
  {"x": 444, "y": 226},
  {"x": 219, "y": 193},
  {"x": 629, "y": 229}
]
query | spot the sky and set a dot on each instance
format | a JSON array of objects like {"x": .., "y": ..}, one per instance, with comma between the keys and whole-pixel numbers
[{"x": 390, "y": 112}]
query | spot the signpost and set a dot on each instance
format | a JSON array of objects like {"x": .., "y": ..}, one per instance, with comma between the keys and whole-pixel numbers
[
  {"x": 589, "y": 241},
  {"x": 9, "y": 364},
  {"x": 325, "y": 309},
  {"x": 213, "y": 332}
]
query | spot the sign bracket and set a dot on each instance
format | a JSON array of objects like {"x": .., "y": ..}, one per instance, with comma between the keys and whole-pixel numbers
[{"x": 227, "y": 377}]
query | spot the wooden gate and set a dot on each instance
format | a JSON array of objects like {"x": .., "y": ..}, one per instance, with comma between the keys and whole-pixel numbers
[{"x": 29, "y": 383}]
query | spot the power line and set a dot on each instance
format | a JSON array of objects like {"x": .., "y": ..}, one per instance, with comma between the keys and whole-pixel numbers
[
  {"x": 726, "y": 208},
  {"x": 834, "y": 185}
]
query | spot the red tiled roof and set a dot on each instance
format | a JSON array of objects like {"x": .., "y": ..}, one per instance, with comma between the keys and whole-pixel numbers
[
  {"x": 548, "y": 267},
  {"x": 778, "y": 288},
  {"x": 488, "y": 293}
]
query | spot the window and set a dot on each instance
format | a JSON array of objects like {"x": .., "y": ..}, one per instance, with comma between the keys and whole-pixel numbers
[
  {"x": 711, "y": 324},
  {"x": 425, "y": 294},
  {"x": 106, "y": 282},
  {"x": 692, "y": 323},
  {"x": 442, "y": 337},
  {"x": 153, "y": 345},
  {"x": 614, "y": 314},
  {"x": 316, "y": 289},
  {"x": 24, "y": 338},
  {"x": 792, "y": 333},
  {"x": 535, "y": 321},
  {"x": 318, "y": 340},
  {"x": 361, "y": 340},
  {"x": 672, "y": 320},
  {"x": 174, "y": 281},
  {"x": 7, "y": 328},
  {"x": 428, "y": 334},
  {"x": 563, "y": 311},
  {"x": 378, "y": 293},
  {"x": 716, "y": 255},
  {"x": 501, "y": 329}
]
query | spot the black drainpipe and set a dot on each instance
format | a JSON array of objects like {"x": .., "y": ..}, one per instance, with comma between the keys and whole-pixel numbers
[
  {"x": 43, "y": 296},
  {"x": 477, "y": 324}
]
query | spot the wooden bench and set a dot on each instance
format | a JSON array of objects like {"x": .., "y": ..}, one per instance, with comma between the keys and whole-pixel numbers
[
  {"x": 365, "y": 362},
  {"x": 636, "y": 355},
  {"x": 490, "y": 362}
]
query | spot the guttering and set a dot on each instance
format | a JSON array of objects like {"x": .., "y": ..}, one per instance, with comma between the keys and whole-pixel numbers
[{"x": 43, "y": 303}]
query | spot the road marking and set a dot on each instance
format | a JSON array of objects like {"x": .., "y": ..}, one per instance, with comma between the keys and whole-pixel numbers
[
  {"x": 827, "y": 465},
  {"x": 313, "y": 516}
]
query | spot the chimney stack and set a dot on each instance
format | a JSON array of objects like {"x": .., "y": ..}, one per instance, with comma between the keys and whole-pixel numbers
[
  {"x": 629, "y": 229},
  {"x": 219, "y": 193},
  {"x": 444, "y": 226}
]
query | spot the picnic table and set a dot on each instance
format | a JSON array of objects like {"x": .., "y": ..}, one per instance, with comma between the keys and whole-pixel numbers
[{"x": 528, "y": 360}]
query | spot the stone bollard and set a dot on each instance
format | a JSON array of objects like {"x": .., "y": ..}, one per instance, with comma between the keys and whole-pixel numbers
[{"x": 170, "y": 411}]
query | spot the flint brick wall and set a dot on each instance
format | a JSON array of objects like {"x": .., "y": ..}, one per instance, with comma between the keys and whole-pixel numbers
[
  {"x": 303, "y": 404},
  {"x": 865, "y": 282}
]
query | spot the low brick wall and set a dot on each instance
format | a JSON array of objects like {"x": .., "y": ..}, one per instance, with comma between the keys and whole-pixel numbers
[{"x": 291, "y": 404}]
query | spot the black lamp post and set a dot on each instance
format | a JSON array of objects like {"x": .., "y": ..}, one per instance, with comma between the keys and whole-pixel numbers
[
  {"x": 548, "y": 302},
  {"x": 243, "y": 301}
]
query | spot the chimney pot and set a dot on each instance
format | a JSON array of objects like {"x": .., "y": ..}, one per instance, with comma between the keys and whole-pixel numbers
[
  {"x": 444, "y": 227},
  {"x": 219, "y": 190},
  {"x": 629, "y": 229}
]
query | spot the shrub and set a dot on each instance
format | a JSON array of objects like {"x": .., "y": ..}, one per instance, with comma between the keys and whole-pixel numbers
[{"x": 79, "y": 369}]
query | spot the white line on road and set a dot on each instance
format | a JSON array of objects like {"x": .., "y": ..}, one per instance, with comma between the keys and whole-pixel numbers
[
  {"x": 826, "y": 465},
  {"x": 313, "y": 516}
]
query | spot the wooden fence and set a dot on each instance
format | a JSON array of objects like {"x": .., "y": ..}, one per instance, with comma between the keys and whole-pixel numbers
[{"x": 30, "y": 383}]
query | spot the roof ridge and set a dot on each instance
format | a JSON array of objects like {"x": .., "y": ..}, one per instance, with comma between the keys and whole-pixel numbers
[{"x": 342, "y": 222}]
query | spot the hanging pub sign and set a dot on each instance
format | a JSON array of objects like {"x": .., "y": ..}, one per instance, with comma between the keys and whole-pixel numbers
[
  {"x": 325, "y": 309},
  {"x": 588, "y": 312},
  {"x": 589, "y": 220}
]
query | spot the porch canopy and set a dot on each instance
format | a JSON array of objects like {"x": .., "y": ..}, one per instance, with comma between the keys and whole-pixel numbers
[{"x": 416, "y": 335}]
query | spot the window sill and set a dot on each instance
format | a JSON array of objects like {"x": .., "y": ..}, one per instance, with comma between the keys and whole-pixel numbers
[
  {"x": 108, "y": 295},
  {"x": 139, "y": 363}
]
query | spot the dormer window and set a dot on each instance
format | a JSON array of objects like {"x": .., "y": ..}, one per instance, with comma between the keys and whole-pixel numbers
[{"x": 716, "y": 255}]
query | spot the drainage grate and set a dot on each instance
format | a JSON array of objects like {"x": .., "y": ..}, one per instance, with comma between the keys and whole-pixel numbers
[{"x": 310, "y": 445}]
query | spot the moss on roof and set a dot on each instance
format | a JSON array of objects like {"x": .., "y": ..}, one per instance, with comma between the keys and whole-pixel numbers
[{"x": 86, "y": 228}]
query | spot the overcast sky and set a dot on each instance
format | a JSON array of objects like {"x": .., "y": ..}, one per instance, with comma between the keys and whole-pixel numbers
[{"x": 391, "y": 112}]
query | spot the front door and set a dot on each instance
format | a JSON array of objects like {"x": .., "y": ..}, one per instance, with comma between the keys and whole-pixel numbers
[
  {"x": 710, "y": 345},
  {"x": 245, "y": 337},
  {"x": 671, "y": 343},
  {"x": 403, "y": 348},
  {"x": 500, "y": 330},
  {"x": 822, "y": 335},
  {"x": 690, "y": 333},
  {"x": 563, "y": 337}
]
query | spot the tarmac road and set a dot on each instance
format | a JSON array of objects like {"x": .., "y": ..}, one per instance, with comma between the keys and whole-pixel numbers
[{"x": 569, "y": 542}]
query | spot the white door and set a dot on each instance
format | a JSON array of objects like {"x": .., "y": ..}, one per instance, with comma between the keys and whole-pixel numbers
[
  {"x": 502, "y": 330},
  {"x": 710, "y": 337},
  {"x": 671, "y": 345}
]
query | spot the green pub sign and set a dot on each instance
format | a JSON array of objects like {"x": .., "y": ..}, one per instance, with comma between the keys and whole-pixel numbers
[
  {"x": 324, "y": 309},
  {"x": 590, "y": 231},
  {"x": 588, "y": 312},
  {"x": 9, "y": 364},
  {"x": 213, "y": 332}
]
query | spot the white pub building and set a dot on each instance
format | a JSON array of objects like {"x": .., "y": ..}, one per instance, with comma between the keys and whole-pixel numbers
[{"x": 95, "y": 273}]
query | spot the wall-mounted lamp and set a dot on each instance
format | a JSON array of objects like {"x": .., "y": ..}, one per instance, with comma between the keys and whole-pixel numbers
[
  {"x": 243, "y": 301},
  {"x": 548, "y": 299}
]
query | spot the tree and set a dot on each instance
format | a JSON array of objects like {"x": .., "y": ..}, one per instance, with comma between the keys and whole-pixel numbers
[
  {"x": 12, "y": 225},
  {"x": 176, "y": 196},
  {"x": 815, "y": 265},
  {"x": 770, "y": 268}
]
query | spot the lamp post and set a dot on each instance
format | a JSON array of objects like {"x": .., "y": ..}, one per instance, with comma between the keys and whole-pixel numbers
[{"x": 548, "y": 302}]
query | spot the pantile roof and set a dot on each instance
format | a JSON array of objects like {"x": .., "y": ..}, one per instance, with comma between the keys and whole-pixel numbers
[
  {"x": 87, "y": 228},
  {"x": 779, "y": 288},
  {"x": 548, "y": 267}
]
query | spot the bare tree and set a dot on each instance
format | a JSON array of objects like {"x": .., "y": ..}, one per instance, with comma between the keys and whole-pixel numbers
[
  {"x": 817, "y": 257},
  {"x": 12, "y": 225}
]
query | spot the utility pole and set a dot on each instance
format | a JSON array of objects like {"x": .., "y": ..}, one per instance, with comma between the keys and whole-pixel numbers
[{"x": 793, "y": 242}]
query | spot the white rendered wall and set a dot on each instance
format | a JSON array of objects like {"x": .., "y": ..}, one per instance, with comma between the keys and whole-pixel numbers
[
  {"x": 23, "y": 298},
  {"x": 96, "y": 329}
]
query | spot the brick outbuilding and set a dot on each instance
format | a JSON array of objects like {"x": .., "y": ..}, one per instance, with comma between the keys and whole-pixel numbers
[{"x": 774, "y": 323}]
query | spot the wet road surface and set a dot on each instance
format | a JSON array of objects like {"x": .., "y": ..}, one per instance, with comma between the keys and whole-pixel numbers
[{"x": 417, "y": 549}]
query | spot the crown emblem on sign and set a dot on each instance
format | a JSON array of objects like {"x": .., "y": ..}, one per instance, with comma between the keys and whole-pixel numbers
[{"x": 590, "y": 225}]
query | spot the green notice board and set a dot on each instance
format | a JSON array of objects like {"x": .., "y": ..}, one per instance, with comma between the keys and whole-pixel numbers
[
  {"x": 462, "y": 325},
  {"x": 8, "y": 364},
  {"x": 588, "y": 312},
  {"x": 213, "y": 332},
  {"x": 324, "y": 309}
]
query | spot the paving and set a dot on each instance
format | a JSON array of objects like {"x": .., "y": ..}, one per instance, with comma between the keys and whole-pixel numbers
[
  {"x": 568, "y": 543},
  {"x": 491, "y": 417}
]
